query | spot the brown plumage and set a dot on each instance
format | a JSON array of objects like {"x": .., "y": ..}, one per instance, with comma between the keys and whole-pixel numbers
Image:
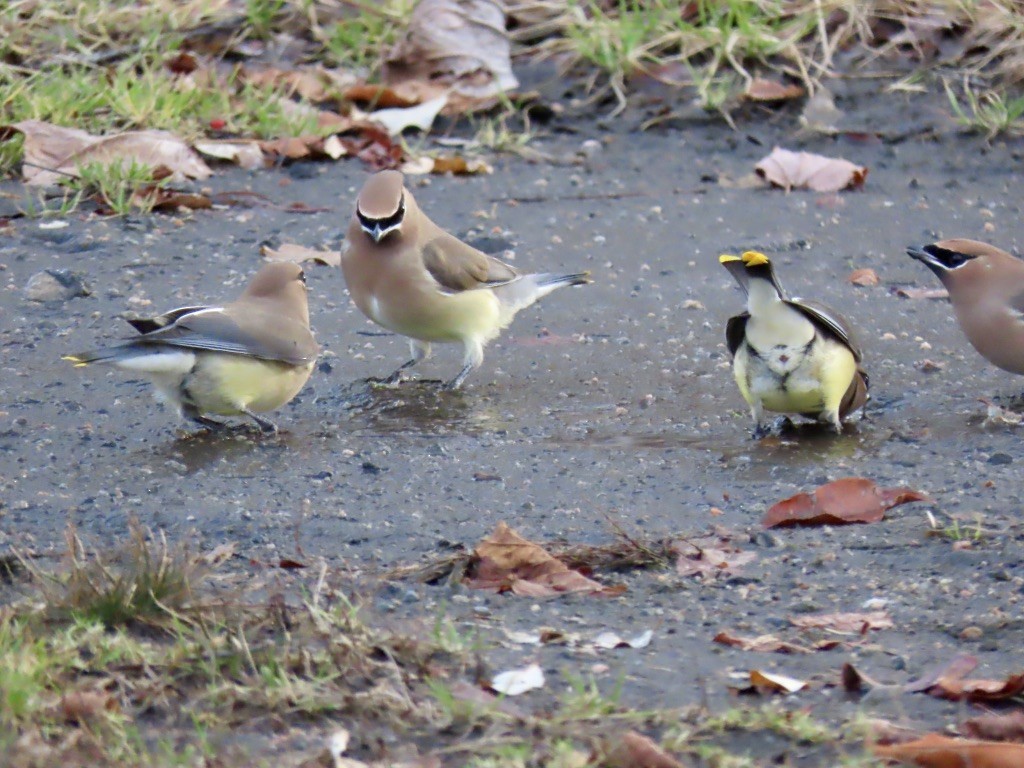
[
  {"x": 407, "y": 274},
  {"x": 249, "y": 356},
  {"x": 986, "y": 288}
]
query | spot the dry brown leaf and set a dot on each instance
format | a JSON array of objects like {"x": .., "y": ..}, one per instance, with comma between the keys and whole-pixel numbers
[
  {"x": 771, "y": 644},
  {"x": 997, "y": 726},
  {"x": 312, "y": 83},
  {"x": 949, "y": 682},
  {"x": 246, "y": 154},
  {"x": 53, "y": 153},
  {"x": 845, "y": 623},
  {"x": 163, "y": 199},
  {"x": 455, "y": 164},
  {"x": 634, "y": 750},
  {"x": 461, "y": 44},
  {"x": 506, "y": 562},
  {"x": 718, "y": 557},
  {"x": 865, "y": 277},
  {"x": 935, "y": 751},
  {"x": 300, "y": 253},
  {"x": 763, "y": 89},
  {"x": 771, "y": 682},
  {"x": 87, "y": 706},
  {"x": 797, "y": 170},
  {"x": 923, "y": 293},
  {"x": 841, "y": 502}
]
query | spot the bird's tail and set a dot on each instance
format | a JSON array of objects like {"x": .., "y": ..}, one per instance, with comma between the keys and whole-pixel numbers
[
  {"x": 546, "y": 283},
  {"x": 109, "y": 355},
  {"x": 521, "y": 293},
  {"x": 141, "y": 358}
]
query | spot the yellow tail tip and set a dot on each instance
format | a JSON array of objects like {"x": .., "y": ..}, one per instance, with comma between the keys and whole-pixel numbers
[
  {"x": 754, "y": 258},
  {"x": 79, "y": 362},
  {"x": 727, "y": 258}
]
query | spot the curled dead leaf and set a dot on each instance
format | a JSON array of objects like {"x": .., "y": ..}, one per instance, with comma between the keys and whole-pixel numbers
[
  {"x": 771, "y": 682},
  {"x": 633, "y": 750},
  {"x": 763, "y": 89},
  {"x": 246, "y": 154},
  {"x": 844, "y": 623},
  {"x": 506, "y": 562},
  {"x": 710, "y": 556},
  {"x": 87, "y": 706},
  {"x": 53, "y": 153},
  {"x": 516, "y": 682},
  {"x": 842, "y": 502},
  {"x": 865, "y": 277},
  {"x": 804, "y": 170},
  {"x": 936, "y": 751},
  {"x": 922, "y": 293},
  {"x": 462, "y": 44},
  {"x": 771, "y": 644}
]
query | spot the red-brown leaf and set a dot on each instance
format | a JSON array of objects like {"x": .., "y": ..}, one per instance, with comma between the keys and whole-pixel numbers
[
  {"x": 841, "y": 502},
  {"x": 935, "y": 751}
]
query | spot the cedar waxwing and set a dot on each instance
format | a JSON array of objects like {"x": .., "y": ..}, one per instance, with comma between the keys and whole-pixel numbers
[
  {"x": 986, "y": 287},
  {"x": 407, "y": 274},
  {"x": 791, "y": 355},
  {"x": 250, "y": 356}
]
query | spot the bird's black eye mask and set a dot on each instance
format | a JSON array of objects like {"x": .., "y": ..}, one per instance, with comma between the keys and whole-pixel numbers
[
  {"x": 386, "y": 223},
  {"x": 949, "y": 259}
]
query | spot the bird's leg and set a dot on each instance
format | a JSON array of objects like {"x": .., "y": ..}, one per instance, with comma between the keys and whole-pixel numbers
[
  {"x": 266, "y": 426},
  {"x": 757, "y": 414},
  {"x": 836, "y": 422},
  {"x": 192, "y": 413},
  {"x": 472, "y": 359},
  {"x": 455, "y": 383},
  {"x": 420, "y": 351}
]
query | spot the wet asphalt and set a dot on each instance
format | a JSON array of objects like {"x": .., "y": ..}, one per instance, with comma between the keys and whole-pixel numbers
[{"x": 605, "y": 405}]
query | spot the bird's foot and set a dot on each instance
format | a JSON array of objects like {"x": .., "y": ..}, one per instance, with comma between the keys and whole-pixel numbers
[
  {"x": 266, "y": 426},
  {"x": 455, "y": 383}
]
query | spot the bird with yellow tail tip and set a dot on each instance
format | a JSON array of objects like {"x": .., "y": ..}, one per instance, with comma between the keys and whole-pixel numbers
[
  {"x": 791, "y": 355},
  {"x": 247, "y": 357},
  {"x": 410, "y": 276}
]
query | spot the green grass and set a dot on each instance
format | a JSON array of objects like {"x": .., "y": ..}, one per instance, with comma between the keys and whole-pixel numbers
[
  {"x": 990, "y": 112},
  {"x": 183, "y": 661}
]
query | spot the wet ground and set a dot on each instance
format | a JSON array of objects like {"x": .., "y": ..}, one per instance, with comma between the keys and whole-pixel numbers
[{"x": 607, "y": 405}]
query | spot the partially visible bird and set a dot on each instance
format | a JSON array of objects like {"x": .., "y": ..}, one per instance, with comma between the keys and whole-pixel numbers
[
  {"x": 247, "y": 357},
  {"x": 407, "y": 274},
  {"x": 791, "y": 355},
  {"x": 986, "y": 288}
]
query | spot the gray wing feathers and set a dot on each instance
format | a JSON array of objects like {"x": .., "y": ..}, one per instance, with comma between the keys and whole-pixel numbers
[
  {"x": 460, "y": 267},
  {"x": 831, "y": 320},
  {"x": 253, "y": 333}
]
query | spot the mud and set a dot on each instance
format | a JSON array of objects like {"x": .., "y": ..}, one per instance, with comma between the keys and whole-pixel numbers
[{"x": 606, "y": 405}]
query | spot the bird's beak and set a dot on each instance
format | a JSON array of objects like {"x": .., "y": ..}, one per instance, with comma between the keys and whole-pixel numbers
[
  {"x": 376, "y": 233},
  {"x": 918, "y": 252}
]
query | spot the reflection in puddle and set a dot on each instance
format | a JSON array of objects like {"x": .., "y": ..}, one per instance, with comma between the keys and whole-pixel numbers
[
  {"x": 418, "y": 407},
  {"x": 246, "y": 452}
]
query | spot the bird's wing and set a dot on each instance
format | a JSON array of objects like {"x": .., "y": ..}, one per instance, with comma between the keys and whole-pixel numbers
[
  {"x": 150, "y": 324},
  {"x": 457, "y": 266},
  {"x": 735, "y": 330},
  {"x": 252, "y": 333},
  {"x": 832, "y": 321}
]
